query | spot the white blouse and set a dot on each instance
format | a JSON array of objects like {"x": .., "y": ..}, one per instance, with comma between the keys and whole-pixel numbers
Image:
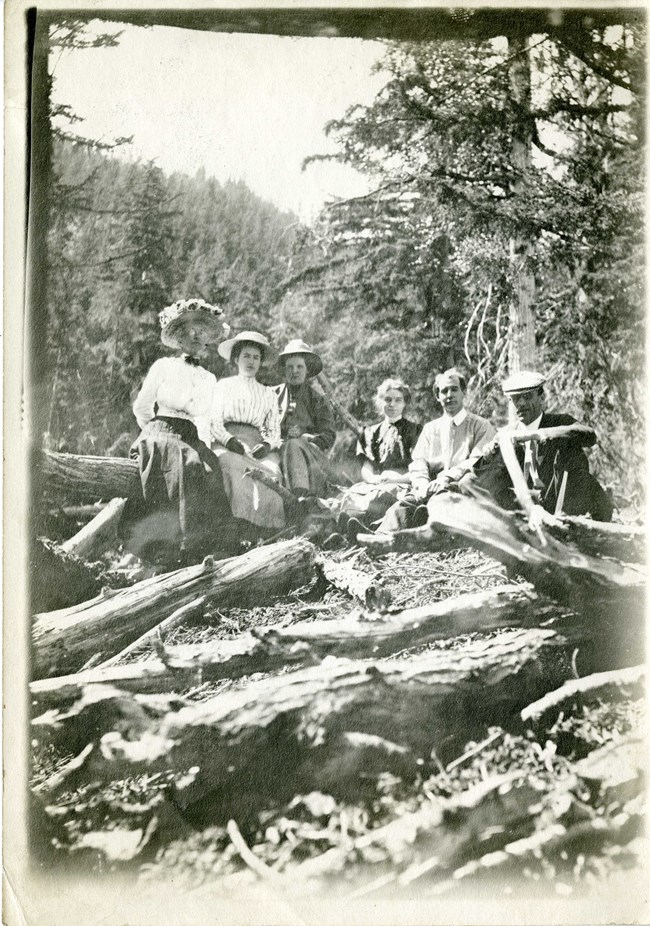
[
  {"x": 179, "y": 390},
  {"x": 245, "y": 401}
]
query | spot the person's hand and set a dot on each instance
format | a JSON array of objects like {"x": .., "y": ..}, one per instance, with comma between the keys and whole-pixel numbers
[
  {"x": 294, "y": 430},
  {"x": 441, "y": 484},
  {"x": 259, "y": 451},
  {"x": 310, "y": 437},
  {"x": 373, "y": 478},
  {"x": 420, "y": 491},
  {"x": 235, "y": 446}
]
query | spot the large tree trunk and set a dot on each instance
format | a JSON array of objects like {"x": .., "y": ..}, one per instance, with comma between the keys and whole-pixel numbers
[
  {"x": 64, "y": 640},
  {"x": 561, "y": 571},
  {"x": 75, "y": 478},
  {"x": 521, "y": 335},
  {"x": 316, "y": 728},
  {"x": 272, "y": 648}
]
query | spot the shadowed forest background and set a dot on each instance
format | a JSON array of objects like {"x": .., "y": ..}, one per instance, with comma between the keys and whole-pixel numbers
[{"x": 473, "y": 190}]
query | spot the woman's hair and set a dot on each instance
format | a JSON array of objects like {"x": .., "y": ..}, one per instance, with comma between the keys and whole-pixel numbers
[
  {"x": 237, "y": 349},
  {"x": 387, "y": 385}
]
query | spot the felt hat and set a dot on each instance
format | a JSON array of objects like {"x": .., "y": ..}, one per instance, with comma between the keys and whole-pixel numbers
[
  {"x": 523, "y": 381},
  {"x": 298, "y": 348},
  {"x": 252, "y": 337},
  {"x": 175, "y": 318}
]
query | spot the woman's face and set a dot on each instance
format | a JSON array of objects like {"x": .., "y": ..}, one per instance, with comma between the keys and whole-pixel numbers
[
  {"x": 249, "y": 360},
  {"x": 295, "y": 370},
  {"x": 194, "y": 340},
  {"x": 393, "y": 404}
]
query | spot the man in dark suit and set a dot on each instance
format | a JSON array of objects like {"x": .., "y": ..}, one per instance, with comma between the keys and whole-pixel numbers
[{"x": 556, "y": 469}]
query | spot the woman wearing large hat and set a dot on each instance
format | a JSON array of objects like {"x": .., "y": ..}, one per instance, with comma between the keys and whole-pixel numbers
[
  {"x": 181, "y": 511},
  {"x": 307, "y": 423},
  {"x": 245, "y": 429}
]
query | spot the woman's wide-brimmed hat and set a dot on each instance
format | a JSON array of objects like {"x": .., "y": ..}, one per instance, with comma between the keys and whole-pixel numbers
[
  {"x": 177, "y": 316},
  {"x": 298, "y": 348},
  {"x": 252, "y": 337}
]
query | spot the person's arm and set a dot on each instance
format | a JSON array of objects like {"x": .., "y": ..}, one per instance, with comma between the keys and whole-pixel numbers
[
  {"x": 271, "y": 427},
  {"x": 483, "y": 435},
  {"x": 324, "y": 432},
  {"x": 143, "y": 407},
  {"x": 578, "y": 434},
  {"x": 217, "y": 428},
  {"x": 419, "y": 467}
]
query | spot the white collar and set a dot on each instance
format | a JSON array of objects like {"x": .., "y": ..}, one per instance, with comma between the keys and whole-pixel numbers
[
  {"x": 458, "y": 418},
  {"x": 533, "y": 426}
]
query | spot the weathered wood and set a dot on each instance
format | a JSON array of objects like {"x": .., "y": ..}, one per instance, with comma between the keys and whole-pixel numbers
[
  {"x": 294, "y": 730},
  {"x": 153, "y": 636},
  {"x": 72, "y": 477},
  {"x": 96, "y": 536},
  {"x": 625, "y": 542},
  {"x": 368, "y": 589},
  {"x": 556, "y": 569},
  {"x": 329, "y": 392},
  {"x": 622, "y": 682},
  {"x": 65, "y": 639},
  {"x": 272, "y": 648},
  {"x": 259, "y": 474},
  {"x": 81, "y": 512}
]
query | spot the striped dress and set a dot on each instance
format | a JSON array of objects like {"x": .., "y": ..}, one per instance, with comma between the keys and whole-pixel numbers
[{"x": 245, "y": 401}]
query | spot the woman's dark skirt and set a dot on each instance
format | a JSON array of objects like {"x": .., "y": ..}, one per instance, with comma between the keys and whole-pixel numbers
[{"x": 183, "y": 509}]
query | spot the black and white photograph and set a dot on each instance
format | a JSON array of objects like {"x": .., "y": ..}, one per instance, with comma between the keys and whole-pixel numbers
[{"x": 325, "y": 464}]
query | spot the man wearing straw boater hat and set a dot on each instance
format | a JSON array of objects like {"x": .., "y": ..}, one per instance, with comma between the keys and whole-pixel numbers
[
  {"x": 307, "y": 422},
  {"x": 556, "y": 468}
]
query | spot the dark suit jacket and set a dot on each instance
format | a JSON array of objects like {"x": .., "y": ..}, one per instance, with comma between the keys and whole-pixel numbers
[
  {"x": 584, "y": 494},
  {"x": 311, "y": 412}
]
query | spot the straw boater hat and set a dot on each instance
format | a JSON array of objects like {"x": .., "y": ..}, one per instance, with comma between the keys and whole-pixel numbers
[
  {"x": 523, "y": 381},
  {"x": 298, "y": 348},
  {"x": 176, "y": 317},
  {"x": 252, "y": 337}
]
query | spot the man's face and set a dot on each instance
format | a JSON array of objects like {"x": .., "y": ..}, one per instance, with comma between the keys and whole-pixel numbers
[
  {"x": 450, "y": 395},
  {"x": 528, "y": 405},
  {"x": 295, "y": 370}
]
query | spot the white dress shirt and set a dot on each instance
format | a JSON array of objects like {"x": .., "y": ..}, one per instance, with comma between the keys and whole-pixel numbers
[
  {"x": 448, "y": 446},
  {"x": 243, "y": 400},
  {"x": 177, "y": 389}
]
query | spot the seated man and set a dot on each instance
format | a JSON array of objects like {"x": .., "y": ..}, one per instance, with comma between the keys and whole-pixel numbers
[
  {"x": 445, "y": 451},
  {"x": 306, "y": 422},
  {"x": 556, "y": 469}
]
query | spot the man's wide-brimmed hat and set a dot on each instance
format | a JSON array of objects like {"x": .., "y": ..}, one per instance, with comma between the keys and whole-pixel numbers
[
  {"x": 298, "y": 348},
  {"x": 523, "y": 381},
  {"x": 176, "y": 317},
  {"x": 252, "y": 337}
]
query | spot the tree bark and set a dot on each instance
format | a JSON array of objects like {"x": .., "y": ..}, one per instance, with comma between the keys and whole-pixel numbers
[
  {"x": 71, "y": 477},
  {"x": 272, "y": 648},
  {"x": 317, "y": 728},
  {"x": 581, "y": 582},
  {"x": 96, "y": 536},
  {"x": 64, "y": 640}
]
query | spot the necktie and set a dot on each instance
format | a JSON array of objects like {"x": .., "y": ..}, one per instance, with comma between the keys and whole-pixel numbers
[{"x": 193, "y": 362}]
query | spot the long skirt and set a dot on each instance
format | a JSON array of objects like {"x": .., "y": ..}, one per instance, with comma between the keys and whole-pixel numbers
[
  {"x": 305, "y": 466},
  {"x": 183, "y": 510},
  {"x": 250, "y": 501}
]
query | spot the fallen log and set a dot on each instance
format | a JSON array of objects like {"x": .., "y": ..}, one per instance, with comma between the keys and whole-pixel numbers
[
  {"x": 61, "y": 580},
  {"x": 73, "y": 477},
  {"x": 624, "y": 682},
  {"x": 369, "y": 590},
  {"x": 64, "y": 640},
  {"x": 99, "y": 534},
  {"x": 626, "y": 542},
  {"x": 272, "y": 648},
  {"x": 556, "y": 569},
  {"x": 293, "y": 731}
]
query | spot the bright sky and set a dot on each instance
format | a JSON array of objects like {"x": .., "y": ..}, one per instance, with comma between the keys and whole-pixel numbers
[{"x": 241, "y": 106}]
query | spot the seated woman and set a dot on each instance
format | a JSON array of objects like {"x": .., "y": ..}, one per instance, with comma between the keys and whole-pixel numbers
[
  {"x": 384, "y": 451},
  {"x": 306, "y": 422},
  {"x": 245, "y": 427},
  {"x": 181, "y": 511}
]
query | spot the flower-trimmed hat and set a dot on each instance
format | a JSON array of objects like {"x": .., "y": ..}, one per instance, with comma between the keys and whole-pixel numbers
[
  {"x": 298, "y": 348},
  {"x": 251, "y": 337},
  {"x": 523, "y": 381},
  {"x": 175, "y": 317}
]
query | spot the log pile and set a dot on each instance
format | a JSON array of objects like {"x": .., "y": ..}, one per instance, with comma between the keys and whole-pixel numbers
[{"x": 334, "y": 705}]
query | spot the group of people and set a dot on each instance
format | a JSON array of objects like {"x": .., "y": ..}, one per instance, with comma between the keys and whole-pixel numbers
[{"x": 202, "y": 439}]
